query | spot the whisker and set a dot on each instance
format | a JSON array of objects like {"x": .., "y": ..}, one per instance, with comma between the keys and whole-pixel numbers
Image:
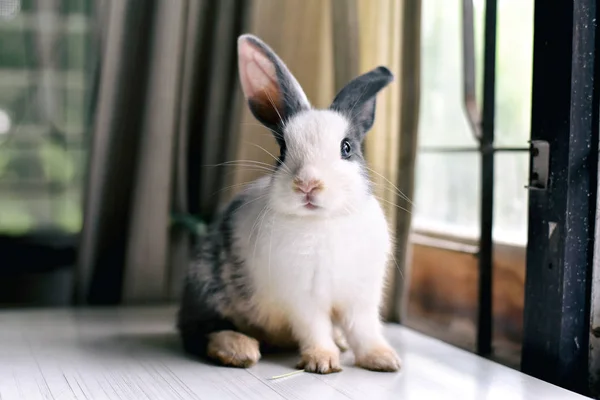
[
  {"x": 264, "y": 134},
  {"x": 260, "y": 226},
  {"x": 273, "y": 104},
  {"x": 253, "y": 169},
  {"x": 389, "y": 189},
  {"x": 272, "y": 156},
  {"x": 258, "y": 217},
  {"x": 274, "y": 132},
  {"x": 244, "y": 167},
  {"x": 270, "y": 249},
  {"x": 393, "y": 204},
  {"x": 234, "y": 186},
  {"x": 236, "y": 162},
  {"x": 263, "y": 149},
  {"x": 285, "y": 168},
  {"x": 399, "y": 192},
  {"x": 397, "y": 266},
  {"x": 244, "y": 172},
  {"x": 256, "y": 167},
  {"x": 250, "y": 202}
]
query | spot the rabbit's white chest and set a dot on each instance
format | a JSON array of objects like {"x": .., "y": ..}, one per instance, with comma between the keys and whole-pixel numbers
[{"x": 321, "y": 261}]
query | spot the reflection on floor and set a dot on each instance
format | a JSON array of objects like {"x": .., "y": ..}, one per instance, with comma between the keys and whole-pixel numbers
[{"x": 461, "y": 332}]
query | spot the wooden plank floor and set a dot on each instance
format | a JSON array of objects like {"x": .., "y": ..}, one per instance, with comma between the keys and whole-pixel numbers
[{"x": 134, "y": 353}]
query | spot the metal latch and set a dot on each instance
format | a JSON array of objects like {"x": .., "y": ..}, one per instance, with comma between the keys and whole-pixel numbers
[{"x": 540, "y": 165}]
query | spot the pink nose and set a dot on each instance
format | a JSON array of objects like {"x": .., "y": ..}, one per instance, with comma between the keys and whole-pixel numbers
[{"x": 307, "y": 187}]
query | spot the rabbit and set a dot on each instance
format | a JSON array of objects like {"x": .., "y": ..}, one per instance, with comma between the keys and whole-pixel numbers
[{"x": 297, "y": 259}]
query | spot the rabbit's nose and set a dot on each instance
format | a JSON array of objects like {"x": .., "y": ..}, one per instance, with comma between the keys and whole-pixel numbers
[{"x": 307, "y": 187}]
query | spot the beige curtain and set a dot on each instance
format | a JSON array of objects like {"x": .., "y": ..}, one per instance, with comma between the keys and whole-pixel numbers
[
  {"x": 166, "y": 98},
  {"x": 380, "y": 42},
  {"x": 362, "y": 34}
]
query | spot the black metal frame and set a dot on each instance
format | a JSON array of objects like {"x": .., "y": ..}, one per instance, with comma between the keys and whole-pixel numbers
[
  {"x": 562, "y": 218},
  {"x": 484, "y": 329},
  {"x": 565, "y": 116},
  {"x": 482, "y": 125}
]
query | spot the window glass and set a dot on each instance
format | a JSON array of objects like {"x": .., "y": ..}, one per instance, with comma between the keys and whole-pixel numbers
[{"x": 46, "y": 68}]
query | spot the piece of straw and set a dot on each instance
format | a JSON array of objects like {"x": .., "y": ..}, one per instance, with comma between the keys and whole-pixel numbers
[{"x": 286, "y": 375}]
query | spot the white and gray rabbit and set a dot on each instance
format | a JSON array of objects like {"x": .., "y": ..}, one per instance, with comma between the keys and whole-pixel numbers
[{"x": 297, "y": 259}]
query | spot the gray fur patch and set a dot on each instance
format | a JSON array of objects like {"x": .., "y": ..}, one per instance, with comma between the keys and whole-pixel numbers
[{"x": 215, "y": 282}]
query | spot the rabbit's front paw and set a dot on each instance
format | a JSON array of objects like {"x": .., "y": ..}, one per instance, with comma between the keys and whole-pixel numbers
[
  {"x": 381, "y": 359},
  {"x": 320, "y": 361},
  {"x": 233, "y": 349}
]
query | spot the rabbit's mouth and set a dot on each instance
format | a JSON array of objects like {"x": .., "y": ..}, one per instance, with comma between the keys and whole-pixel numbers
[
  {"x": 309, "y": 202},
  {"x": 310, "y": 206}
]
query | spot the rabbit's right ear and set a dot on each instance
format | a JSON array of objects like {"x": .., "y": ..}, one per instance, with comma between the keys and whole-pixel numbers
[{"x": 272, "y": 92}]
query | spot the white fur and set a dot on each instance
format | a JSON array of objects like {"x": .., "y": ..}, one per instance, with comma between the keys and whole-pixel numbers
[{"x": 307, "y": 264}]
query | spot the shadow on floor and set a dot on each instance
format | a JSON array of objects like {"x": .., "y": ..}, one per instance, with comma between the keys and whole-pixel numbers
[{"x": 147, "y": 346}]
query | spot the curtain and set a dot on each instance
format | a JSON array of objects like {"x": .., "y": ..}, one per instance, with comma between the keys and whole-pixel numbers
[
  {"x": 162, "y": 112},
  {"x": 406, "y": 161}
]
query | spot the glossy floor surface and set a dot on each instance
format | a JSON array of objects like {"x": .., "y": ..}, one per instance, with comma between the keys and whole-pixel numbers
[{"x": 134, "y": 353}]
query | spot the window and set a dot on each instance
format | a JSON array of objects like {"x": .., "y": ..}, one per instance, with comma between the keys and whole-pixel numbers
[
  {"x": 46, "y": 69},
  {"x": 447, "y": 184},
  {"x": 445, "y": 276}
]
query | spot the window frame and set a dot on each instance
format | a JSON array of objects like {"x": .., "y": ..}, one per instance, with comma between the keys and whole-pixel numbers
[
  {"x": 558, "y": 305},
  {"x": 483, "y": 129},
  {"x": 560, "y": 253}
]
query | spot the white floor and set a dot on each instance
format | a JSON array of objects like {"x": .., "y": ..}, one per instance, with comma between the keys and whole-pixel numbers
[{"x": 134, "y": 354}]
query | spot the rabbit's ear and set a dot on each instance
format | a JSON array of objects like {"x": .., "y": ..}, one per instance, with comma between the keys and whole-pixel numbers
[
  {"x": 357, "y": 99},
  {"x": 272, "y": 92}
]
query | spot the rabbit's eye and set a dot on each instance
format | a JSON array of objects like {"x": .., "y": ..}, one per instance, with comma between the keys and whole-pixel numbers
[{"x": 346, "y": 148}]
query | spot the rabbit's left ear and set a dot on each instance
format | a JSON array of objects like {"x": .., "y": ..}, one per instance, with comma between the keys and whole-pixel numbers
[
  {"x": 357, "y": 99},
  {"x": 272, "y": 92}
]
